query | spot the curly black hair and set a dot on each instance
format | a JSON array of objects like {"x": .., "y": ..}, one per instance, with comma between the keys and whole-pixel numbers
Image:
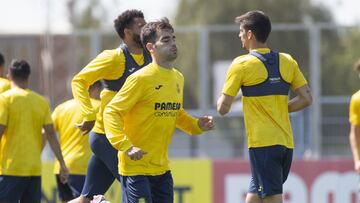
[{"x": 125, "y": 20}]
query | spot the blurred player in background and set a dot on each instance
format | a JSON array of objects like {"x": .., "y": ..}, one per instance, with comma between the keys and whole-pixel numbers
[
  {"x": 23, "y": 114},
  {"x": 112, "y": 67},
  {"x": 354, "y": 118},
  {"x": 4, "y": 83},
  {"x": 74, "y": 146},
  {"x": 140, "y": 120},
  {"x": 265, "y": 78}
]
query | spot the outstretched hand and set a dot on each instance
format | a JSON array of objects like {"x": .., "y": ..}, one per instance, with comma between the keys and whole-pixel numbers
[
  {"x": 85, "y": 126},
  {"x": 135, "y": 153},
  {"x": 206, "y": 123}
]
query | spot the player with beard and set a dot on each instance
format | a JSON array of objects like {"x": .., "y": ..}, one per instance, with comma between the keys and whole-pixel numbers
[
  {"x": 141, "y": 118},
  {"x": 112, "y": 67}
]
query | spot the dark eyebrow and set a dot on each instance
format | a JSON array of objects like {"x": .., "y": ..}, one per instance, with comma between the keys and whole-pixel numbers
[{"x": 166, "y": 37}]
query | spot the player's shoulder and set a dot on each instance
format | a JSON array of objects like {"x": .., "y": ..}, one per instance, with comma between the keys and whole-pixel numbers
[
  {"x": 356, "y": 96},
  {"x": 242, "y": 59},
  {"x": 111, "y": 53},
  {"x": 4, "y": 80},
  {"x": 36, "y": 96},
  {"x": 177, "y": 73},
  {"x": 241, "y": 62},
  {"x": 66, "y": 104},
  {"x": 287, "y": 57}
]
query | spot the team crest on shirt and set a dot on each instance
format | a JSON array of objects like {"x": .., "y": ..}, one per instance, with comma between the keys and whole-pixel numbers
[
  {"x": 142, "y": 200},
  {"x": 178, "y": 88}
]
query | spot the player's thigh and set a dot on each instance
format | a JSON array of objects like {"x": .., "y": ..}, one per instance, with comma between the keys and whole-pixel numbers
[
  {"x": 98, "y": 178},
  {"x": 135, "y": 189},
  {"x": 104, "y": 151},
  {"x": 268, "y": 170},
  {"x": 162, "y": 188}
]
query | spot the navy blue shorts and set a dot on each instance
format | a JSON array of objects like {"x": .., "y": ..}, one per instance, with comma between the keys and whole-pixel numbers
[
  {"x": 148, "y": 189},
  {"x": 20, "y": 188},
  {"x": 72, "y": 188},
  {"x": 270, "y": 167},
  {"x": 102, "y": 168}
]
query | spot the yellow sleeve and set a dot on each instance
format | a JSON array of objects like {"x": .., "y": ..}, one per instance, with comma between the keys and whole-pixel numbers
[
  {"x": 233, "y": 80},
  {"x": 187, "y": 123},
  {"x": 354, "y": 111},
  {"x": 109, "y": 65},
  {"x": 3, "y": 111},
  {"x": 116, "y": 110},
  {"x": 298, "y": 78}
]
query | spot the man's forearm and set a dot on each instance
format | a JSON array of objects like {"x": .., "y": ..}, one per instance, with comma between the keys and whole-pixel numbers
[
  {"x": 55, "y": 146},
  {"x": 355, "y": 143},
  {"x": 297, "y": 103}
]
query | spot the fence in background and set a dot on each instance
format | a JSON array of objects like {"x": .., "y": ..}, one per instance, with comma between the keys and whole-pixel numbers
[{"x": 56, "y": 58}]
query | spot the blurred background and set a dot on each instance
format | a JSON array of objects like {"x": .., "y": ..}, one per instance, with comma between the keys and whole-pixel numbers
[{"x": 59, "y": 38}]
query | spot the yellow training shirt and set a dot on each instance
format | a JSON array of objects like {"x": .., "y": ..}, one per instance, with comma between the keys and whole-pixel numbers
[
  {"x": 109, "y": 65},
  {"x": 354, "y": 111},
  {"x": 4, "y": 85},
  {"x": 24, "y": 113},
  {"x": 144, "y": 114},
  {"x": 74, "y": 146},
  {"x": 266, "y": 118}
]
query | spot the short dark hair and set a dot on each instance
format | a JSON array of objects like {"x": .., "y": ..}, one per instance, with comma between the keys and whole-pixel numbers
[
  {"x": 126, "y": 20},
  {"x": 256, "y": 21},
  {"x": 357, "y": 65},
  {"x": 149, "y": 31},
  {"x": 2, "y": 60},
  {"x": 19, "y": 69}
]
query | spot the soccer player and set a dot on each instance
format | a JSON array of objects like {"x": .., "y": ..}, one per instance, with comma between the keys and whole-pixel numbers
[
  {"x": 354, "y": 118},
  {"x": 265, "y": 77},
  {"x": 4, "y": 83},
  {"x": 23, "y": 115},
  {"x": 75, "y": 147},
  {"x": 141, "y": 118},
  {"x": 113, "y": 67}
]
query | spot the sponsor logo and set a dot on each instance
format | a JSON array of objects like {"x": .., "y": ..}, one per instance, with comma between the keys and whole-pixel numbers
[
  {"x": 274, "y": 80},
  {"x": 132, "y": 70},
  {"x": 167, "y": 106},
  {"x": 166, "y": 109},
  {"x": 158, "y": 87}
]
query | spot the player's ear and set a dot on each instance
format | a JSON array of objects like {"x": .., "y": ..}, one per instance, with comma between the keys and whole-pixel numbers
[
  {"x": 150, "y": 47},
  {"x": 127, "y": 31}
]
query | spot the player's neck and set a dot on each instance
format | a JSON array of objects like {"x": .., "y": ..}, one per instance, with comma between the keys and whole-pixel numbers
[
  {"x": 134, "y": 47},
  {"x": 163, "y": 64},
  {"x": 257, "y": 45},
  {"x": 20, "y": 84}
]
